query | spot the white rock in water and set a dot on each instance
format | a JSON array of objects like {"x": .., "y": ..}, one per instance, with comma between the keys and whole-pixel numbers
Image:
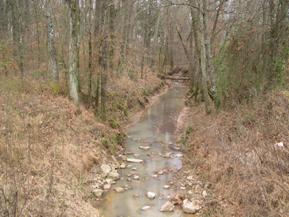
[
  {"x": 134, "y": 160},
  {"x": 97, "y": 192},
  {"x": 119, "y": 189},
  {"x": 122, "y": 166},
  {"x": 161, "y": 172},
  {"x": 109, "y": 181},
  {"x": 114, "y": 175},
  {"x": 151, "y": 195},
  {"x": 107, "y": 186},
  {"x": 105, "y": 168},
  {"x": 191, "y": 207},
  {"x": 167, "y": 207},
  {"x": 166, "y": 186},
  {"x": 136, "y": 177},
  {"x": 144, "y": 208},
  {"x": 155, "y": 176},
  {"x": 145, "y": 148},
  {"x": 179, "y": 155}
]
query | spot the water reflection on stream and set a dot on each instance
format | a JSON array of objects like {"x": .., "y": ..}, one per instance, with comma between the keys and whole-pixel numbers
[{"x": 155, "y": 129}]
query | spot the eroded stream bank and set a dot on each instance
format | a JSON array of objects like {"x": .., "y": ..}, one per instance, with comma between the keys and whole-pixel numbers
[{"x": 155, "y": 134}]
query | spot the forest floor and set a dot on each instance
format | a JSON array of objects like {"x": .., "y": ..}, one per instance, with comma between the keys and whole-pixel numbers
[
  {"x": 51, "y": 150},
  {"x": 240, "y": 157}
]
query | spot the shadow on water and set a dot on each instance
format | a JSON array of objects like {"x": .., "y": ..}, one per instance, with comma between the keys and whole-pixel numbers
[{"x": 155, "y": 129}]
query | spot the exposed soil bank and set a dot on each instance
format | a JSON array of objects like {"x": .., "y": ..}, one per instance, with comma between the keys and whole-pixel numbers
[{"x": 241, "y": 157}]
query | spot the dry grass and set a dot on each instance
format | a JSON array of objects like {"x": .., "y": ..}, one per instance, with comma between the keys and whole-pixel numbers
[
  {"x": 127, "y": 96},
  {"x": 236, "y": 152},
  {"x": 47, "y": 146}
]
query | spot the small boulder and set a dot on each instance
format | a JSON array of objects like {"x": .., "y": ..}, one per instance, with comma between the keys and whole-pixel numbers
[
  {"x": 114, "y": 175},
  {"x": 122, "y": 166},
  {"x": 151, "y": 195},
  {"x": 191, "y": 207},
  {"x": 134, "y": 160},
  {"x": 109, "y": 181},
  {"x": 105, "y": 168},
  {"x": 119, "y": 189},
  {"x": 190, "y": 178},
  {"x": 107, "y": 186},
  {"x": 97, "y": 192},
  {"x": 204, "y": 193},
  {"x": 144, "y": 208},
  {"x": 167, "y": 207},
  {"x": 136, "y": 177}
]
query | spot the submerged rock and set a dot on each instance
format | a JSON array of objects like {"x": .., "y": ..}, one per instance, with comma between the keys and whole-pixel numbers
[
  {"x": 167, "y": 207},
  {"x": 145, "y": 148},
  {"x": 191, "y": 207}
]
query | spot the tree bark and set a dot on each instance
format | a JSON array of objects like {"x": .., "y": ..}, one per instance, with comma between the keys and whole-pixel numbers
[
  {"x": 90, "y": 70},
  {"x": 51, "y": 45},
  {"x": 74, "y": 51}
]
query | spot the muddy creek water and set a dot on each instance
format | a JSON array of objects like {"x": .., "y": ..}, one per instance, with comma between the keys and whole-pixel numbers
[{"x": 155, "y": 129}]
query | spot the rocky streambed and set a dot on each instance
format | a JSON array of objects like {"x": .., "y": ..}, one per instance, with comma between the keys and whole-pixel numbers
[{"x": 143, "y": 183}]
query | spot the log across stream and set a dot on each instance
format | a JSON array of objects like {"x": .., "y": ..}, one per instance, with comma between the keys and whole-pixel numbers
[{"x": 150, "y": 139}]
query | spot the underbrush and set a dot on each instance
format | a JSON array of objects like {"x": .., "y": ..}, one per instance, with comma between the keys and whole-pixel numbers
[
  {"x": 47, "y": 147},
  {"x": 244, "y": 154}
]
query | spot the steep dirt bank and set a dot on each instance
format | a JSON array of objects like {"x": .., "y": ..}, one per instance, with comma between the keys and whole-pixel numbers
[
  {"x": 241, "y": 157},
  {"x": 50, "y": 150}
]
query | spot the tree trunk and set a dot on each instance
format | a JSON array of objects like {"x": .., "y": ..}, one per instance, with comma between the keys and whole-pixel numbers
[
  {"x": 51, "y": 46},
  {"x": 209, "y": 64},
  {"x": 17, "y": 34},
  {"x": 74, "y": 51},
  {"x": 199, "y": 33},
  {"x": 90, "y": 50}
]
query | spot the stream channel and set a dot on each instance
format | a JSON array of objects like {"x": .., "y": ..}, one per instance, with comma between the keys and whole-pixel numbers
[{"x": 155, "y": 129}]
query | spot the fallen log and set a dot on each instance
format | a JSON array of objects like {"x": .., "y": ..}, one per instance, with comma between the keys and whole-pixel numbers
[{"x": 176, "y": 78}]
